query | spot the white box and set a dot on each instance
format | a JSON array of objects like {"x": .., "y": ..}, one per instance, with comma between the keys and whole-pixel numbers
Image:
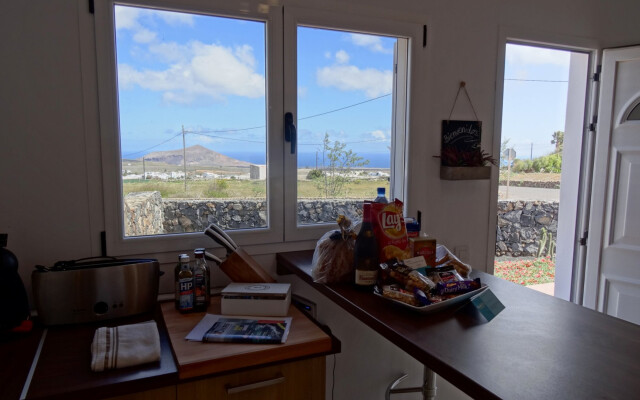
[{"x": 268, "y": 299}]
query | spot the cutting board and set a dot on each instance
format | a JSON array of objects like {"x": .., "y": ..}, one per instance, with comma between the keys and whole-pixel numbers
[{"x": 196, "y": 359}]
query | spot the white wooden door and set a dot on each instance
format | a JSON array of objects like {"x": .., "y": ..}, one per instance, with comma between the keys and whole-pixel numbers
[{"x": 612, "y": 271}]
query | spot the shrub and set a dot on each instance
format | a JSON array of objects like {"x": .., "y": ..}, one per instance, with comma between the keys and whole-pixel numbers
[
  {"x": 315, "y": 174},
  {"x": 550, "y": 163}
]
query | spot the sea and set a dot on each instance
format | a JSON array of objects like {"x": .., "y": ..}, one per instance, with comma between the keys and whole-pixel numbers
[{"x": 313, "y": 160}]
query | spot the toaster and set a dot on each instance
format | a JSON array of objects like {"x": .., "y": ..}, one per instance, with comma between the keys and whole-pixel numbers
[{"x": 78, "y": 292}]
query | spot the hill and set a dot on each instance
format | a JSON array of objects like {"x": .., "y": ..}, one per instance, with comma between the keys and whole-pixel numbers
[{"x": 196, "y": 156}]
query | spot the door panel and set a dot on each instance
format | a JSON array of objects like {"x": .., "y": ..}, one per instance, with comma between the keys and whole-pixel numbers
[{"x": 612, "y": 274}]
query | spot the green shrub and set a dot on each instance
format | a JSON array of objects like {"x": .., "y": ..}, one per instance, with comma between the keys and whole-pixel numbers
[
  {"x": 550, "y": 163},
  {"x": 315, "y": 174}
]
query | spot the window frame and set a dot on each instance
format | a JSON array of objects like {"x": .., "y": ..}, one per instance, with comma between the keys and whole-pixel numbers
[
  {"x": 280, "y": 93},
  {"x": 117, "y": 243},
  {"x": 298, "y": 16}
]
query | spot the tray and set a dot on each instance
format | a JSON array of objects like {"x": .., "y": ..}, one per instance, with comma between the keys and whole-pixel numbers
[{"x": 437, "y": 306}]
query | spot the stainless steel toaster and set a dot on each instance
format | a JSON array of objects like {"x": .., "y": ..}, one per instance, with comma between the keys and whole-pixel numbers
[{"x": 94, "y": 291}]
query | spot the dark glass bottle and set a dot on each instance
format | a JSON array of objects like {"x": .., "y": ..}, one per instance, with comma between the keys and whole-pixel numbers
[
  {"x": 366, "y": 252},
  {"x": 202, "y": 285},
  {"x": 184, "y": 285}
]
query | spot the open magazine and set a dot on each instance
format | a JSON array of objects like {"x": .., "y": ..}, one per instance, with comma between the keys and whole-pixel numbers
[{"x": 240, "y": 329}]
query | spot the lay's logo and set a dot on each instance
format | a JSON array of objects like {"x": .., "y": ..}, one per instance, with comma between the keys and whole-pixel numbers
[{"x": 390, "y": 221}]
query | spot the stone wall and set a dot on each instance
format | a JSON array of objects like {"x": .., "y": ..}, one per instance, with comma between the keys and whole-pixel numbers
[
  {"x": 521, "y": 224},
  {"x": 144, "y": 214},
  {"x": 533, "y": 184}
]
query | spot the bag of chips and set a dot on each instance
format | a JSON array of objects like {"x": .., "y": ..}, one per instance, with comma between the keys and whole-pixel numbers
[{"x": 390, "y": 230}]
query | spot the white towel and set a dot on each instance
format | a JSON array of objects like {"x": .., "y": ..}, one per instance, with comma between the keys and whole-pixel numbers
[{"x": 124, "y": 346}]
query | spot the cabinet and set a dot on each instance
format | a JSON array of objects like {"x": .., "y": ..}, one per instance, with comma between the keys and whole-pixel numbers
[
  {"x": 165, "y": 393},
  {"x": 304, "y": 380}
]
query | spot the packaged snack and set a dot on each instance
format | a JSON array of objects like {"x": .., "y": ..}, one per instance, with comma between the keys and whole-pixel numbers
[
  {"x": 445, "y": 257},
  {"x": 397, "y": 293},
  {"x": 443, "y": 274},
  {"x": 390, "y": 230},
  {"x": 421, "y": 297},
  {"x": 426, "y": 247},
  {"x": 406, "y": 276},
  {"x": 333, "y": 258},
  {"x": 457, "y": 287}
]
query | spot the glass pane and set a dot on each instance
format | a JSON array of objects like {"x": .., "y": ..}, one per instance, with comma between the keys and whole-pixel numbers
[
  {"x": 634, "y": 115},
  {"x": 192, "y": 114},
  {"x": 345, "y": 97}
]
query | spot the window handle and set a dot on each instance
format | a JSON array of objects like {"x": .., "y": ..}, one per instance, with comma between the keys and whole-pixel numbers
[{"x": 290, "y": 131}]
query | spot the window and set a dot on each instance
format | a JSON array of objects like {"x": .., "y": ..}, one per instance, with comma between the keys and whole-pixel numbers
[{"x": 192, "y": 103}]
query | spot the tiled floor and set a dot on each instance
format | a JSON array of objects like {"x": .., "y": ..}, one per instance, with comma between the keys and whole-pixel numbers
[{"x": 546, "y": 288}]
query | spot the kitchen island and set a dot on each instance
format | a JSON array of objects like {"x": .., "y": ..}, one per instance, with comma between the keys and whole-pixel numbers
[{"x": 537, "y": 347}]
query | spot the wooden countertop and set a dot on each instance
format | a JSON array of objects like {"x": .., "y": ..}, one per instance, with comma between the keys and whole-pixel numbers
[
  {"x": 538, "y": 347},
  {"x": 197, "y": 359}
]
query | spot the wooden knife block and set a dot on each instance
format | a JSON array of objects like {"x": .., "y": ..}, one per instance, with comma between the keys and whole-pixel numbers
[{"x": 241, "y": 267}]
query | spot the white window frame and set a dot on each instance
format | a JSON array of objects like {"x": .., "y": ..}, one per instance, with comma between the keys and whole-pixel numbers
[
  {"x": 281, "y": 92},
  {"x": 296, "y": 16},
  {"x": 117, "y": 243}
]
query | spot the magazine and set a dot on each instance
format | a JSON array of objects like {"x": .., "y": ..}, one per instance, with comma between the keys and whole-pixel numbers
[{"x": 241, "y": 329}]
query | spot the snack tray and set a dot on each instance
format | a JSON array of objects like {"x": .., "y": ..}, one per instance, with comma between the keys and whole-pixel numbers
[{"x": 437, "y": 306}]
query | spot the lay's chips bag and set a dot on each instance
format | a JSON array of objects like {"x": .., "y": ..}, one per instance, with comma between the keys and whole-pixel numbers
[{"x": 390, "y": 230}]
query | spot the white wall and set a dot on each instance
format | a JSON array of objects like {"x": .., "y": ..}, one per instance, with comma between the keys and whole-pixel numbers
[{"x": 50, "y": 176}]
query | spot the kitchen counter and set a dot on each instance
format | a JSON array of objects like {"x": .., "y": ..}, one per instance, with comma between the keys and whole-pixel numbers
[
  {"x": 63, "y": 369},
  {"x": 538, "y": 347}
]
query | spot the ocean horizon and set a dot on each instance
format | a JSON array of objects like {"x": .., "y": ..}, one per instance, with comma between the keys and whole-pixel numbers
[{"x": 308, "y": 160}]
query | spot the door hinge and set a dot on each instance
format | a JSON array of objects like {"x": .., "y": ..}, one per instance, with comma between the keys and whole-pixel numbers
[
  {"x": 596, "y": 75},
  {"x": 593, "y": 124},
  {"x": 424, "y": 36},
  {"x": 583, "y": 239},
  {"x": 92, "y": 7}
]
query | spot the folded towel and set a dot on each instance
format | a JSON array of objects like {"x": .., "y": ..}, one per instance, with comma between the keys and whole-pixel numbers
[{"x": 124, "y": 346}]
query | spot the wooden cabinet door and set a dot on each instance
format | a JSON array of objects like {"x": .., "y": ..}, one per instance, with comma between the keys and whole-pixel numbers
[
  {"x": 299, "y": 380},
  {"x": 165, "y": 393}
]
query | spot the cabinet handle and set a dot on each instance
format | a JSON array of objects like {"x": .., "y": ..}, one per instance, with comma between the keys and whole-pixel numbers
[{"x": 256, "y": 385}]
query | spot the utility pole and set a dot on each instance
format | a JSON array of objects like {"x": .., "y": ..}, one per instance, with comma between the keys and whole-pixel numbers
[
  {"x": 144, "y": 170},
  {"x": 184, "y": 159},
  {"x": 531, "y": 154}
]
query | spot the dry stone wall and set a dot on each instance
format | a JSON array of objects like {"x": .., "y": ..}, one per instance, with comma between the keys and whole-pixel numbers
[{"x": 521, "y": 224}]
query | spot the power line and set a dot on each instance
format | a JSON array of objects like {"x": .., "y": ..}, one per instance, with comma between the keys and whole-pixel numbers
[
  {"x": 534, "y": 80},
  {"x": 152, "y": 147},
  {"x": 203, "y": 132}
]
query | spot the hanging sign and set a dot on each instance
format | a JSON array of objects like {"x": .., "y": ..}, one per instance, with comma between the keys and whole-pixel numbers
[{"x": 460, "y": 137}]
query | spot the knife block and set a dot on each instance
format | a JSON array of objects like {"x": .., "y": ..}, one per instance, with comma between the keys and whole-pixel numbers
[{"x": 241, "y": 267}]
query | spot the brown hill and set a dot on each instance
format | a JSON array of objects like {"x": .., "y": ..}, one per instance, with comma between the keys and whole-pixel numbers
[{"x": 196, "y": 156}]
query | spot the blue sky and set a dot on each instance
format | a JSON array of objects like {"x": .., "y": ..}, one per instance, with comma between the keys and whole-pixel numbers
[
  {"x": 208, "y": 75},
  {"x": 535, "y": 98}
]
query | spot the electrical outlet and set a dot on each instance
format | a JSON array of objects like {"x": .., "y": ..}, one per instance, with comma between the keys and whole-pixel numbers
[{"x": 462, "y": 252}]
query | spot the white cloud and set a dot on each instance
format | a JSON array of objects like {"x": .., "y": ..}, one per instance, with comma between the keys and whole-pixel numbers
[
  {"x": 143, "y": 35},
  {"x": 527, "y": 55},
  {"x": 378, "y": 134},
  {"x": 349, "y": 78},
  {"x": 302, "y": 91},
  {"x": 127, "y": 17},
  {"x": 327, "y": 54},
  {"x": 342, "y": 57},
  {"x": 373, "y": 43},
  {"x": 175, "y": 18},
  {"x": 208, "y": 70}
]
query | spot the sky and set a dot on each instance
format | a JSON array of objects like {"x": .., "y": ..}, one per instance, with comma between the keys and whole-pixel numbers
[{"x": 206, "y": 75}]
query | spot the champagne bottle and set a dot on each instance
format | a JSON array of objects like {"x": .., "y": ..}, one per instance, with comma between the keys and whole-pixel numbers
[{"x": 366, "y": 252}]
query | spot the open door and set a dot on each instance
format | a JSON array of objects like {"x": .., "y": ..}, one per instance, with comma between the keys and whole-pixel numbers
[{"x": 612, "y": 269}]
